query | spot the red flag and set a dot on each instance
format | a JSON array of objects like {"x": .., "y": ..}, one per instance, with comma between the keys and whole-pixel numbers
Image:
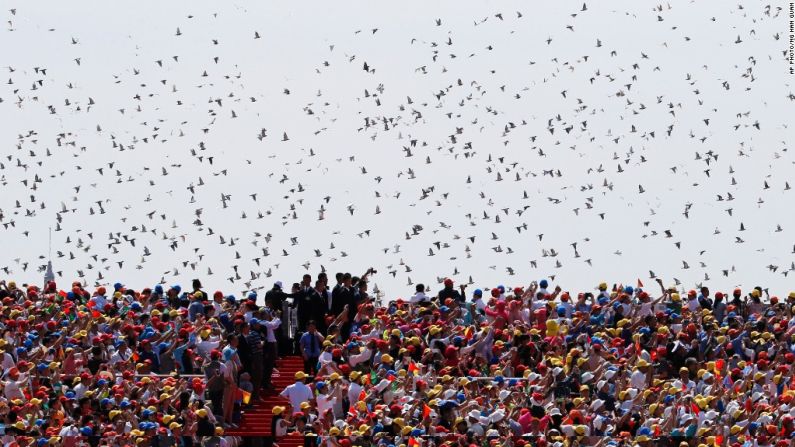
[
  {"x": 718, "y": 368},
  {"x": 426, "y": 411},
  {"x": 695, "y": 408},
  {"x": 362, "y": 395},
  {"x": 640, "y": 284},
  {"x": 413, "y": 368},
  {"x": 719, "y": 440},
  {"x": 748, "y": 406},
  {"x": 413, "y": 442}
]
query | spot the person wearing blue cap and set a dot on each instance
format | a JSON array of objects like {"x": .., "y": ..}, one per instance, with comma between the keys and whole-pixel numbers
[
  {"x": 329, "y": 398},
  {"x": 230, "y": 371},
  {"x": 477, "y": 299},
  {"x": 542, "y": 286}
]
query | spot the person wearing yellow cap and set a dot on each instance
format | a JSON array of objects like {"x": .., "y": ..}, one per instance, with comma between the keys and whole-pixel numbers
[
  {"x": 639, "y": 377},
  {"x": 298, "y": 392},
  {"x": 204, "y": 426}
]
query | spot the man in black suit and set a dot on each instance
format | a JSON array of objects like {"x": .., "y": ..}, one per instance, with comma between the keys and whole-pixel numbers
[{"x": 275, "y": 299}]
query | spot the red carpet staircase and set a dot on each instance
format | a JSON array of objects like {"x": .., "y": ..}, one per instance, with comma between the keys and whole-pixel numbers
[{"x": 256, "y": 420}]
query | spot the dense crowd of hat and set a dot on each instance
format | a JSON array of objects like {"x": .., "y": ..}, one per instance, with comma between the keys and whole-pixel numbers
[{"x": 531, "y": 365}]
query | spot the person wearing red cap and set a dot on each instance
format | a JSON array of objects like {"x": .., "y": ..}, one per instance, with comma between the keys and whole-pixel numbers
[
  {"x": 15, "y": 383},
  {"x": 449, "y": 292},
  {"x": 499, "y": 314},
  {"x": 719, "y": 307},
  {"x": 693, "y": 303}
]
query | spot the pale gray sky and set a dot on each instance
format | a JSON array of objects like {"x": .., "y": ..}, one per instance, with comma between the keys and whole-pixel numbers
[{"x": 627, "y": 69}]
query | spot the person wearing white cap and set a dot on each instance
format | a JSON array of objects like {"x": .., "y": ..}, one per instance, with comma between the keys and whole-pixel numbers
[
  {"x": 497, "y": 416},
  {"x": 475, "y": 425},
  {"x": 705, "y": 386}
]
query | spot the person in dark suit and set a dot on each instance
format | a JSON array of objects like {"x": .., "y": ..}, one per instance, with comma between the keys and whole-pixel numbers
[
  {"x": 274, "y": 300},
  {"x": 304, "y": 301},
  {"x": 345, "y": 297}
]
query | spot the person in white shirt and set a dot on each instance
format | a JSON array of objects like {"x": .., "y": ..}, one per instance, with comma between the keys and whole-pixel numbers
[
  {"x": 8, "y": 361},
  {"x": 99, "y": 302},
  {"x": 474, "y": 423},
  {"x": 270, "y": 349},
  {"x": 12, "y": 388},
  {"x": 477, "y": 298},
  {"x": 297, "y": 392},
  {"x": 354, "y": 389},
  {"x": 327, "y": 398},
  {"x": 218, "y": 302},
  {"x": 363, "y": 356},
  {"x": 280, "y": 425},
  {"x": 419, "y": 295},
  {"x": 692, "y": 301},
  {"x": 207, "y": 344},
  {"x": 638, "y": 378},
  {"x": 325, "y": 356},
  {"x": 369, "y": 333},
  {"x": 271, "y": 324},
  {"x": 121, "y": 354},
  {"x": 69, "y": 431}
]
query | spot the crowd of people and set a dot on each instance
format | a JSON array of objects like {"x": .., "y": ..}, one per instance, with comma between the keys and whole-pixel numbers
[{"x": 524, "y": 366}]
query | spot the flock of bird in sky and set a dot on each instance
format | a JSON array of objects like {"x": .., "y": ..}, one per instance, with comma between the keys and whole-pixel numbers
[{"x": 579, "y": 144}]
